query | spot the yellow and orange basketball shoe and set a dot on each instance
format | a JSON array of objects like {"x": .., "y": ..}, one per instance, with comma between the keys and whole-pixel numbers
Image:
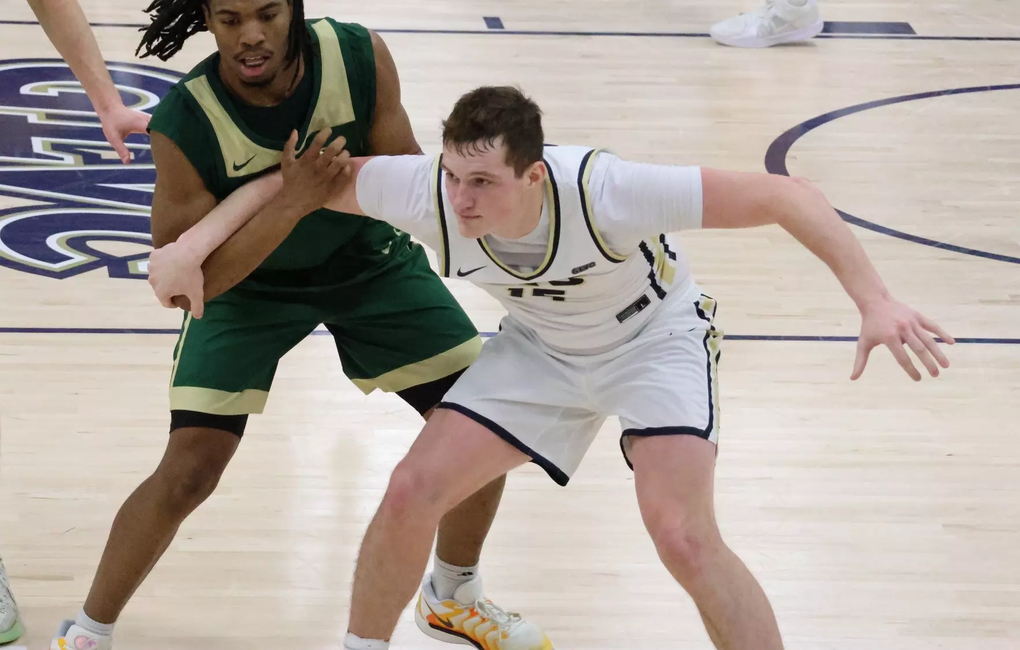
[{"x": 470, "y": 619}]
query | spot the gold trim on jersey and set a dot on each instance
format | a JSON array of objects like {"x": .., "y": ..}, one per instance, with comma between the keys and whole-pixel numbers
[
  {"x": 335, "y": 106},
  {"x": 428, "y": 370},
  {"x": 583, "y": 176},
  {"x": 236, "y": 147},
  {"x": 664, "y": 270},
  {"x": 551, "y": 200}
]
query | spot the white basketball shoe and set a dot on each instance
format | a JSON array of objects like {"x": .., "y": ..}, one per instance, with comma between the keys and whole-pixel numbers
[
  {"x": 471, "y": 619},
  {"x": 71, "y": 636},
  {"x": 779, "y": 21},
  {"x": 11, "y": 628}
]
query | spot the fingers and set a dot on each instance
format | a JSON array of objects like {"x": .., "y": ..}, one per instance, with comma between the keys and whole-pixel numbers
[
  {"x": 920, "y": 351},
  {"x": 182, "y": 302},
  {"x": 863, "y": 350},
  {"x": 900, "y": 354},
  {"x": 166, "y": 301},
  {"x": 313, "y": 153},
  {"x": 334, "y": 153},
  {"x": 122, "y": 151},
  {"x": 340, "y": 163},
  {"x": 197, "y": 303},
  {"x": 933, "y": 327},
  {"x": 288, "y": 149},
  {"x": 932, "y": 345}
]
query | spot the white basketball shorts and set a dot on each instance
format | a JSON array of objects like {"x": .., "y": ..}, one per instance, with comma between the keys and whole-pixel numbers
[{"x": 550, "y": 405}]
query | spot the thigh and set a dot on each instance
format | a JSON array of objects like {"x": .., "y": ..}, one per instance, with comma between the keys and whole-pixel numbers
[
  {"x": 532, "y": 400},
  {"x": 402, "y": 331},
  {"x": 666, "y": 382},
  {"x": 674, "y": 478},
  {"x": 453, "y": 457},
  {"x": 224, "y": 362}
]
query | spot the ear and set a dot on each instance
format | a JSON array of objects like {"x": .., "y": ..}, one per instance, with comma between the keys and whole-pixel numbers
[
  {"x": 536, "y": 173},
  {"x": 206, "y": 14}
]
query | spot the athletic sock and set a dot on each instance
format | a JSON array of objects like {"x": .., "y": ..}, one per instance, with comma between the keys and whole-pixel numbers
[
  {"x": 352, "y": 642},
  {"x": 99, "y": 629},
  {"x": 447, "y": 577}
]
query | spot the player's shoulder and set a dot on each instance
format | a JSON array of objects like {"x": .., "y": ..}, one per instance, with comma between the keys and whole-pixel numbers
[
  {"x": 176, "y": 106},
  {"x": 345, "y": 30},
  {"x": 173, "y": 114}
]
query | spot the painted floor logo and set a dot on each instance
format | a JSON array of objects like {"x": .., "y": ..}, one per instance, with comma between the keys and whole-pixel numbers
[{"x": 53, "y": 153}]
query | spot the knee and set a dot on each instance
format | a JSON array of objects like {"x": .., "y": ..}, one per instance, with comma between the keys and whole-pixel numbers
[
  {"x": 411, "y": 493},
  {"x": 185, "y": 483},
  {"x": 687, "y": 547}
]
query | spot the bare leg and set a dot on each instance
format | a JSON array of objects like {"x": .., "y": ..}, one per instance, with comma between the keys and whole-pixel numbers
[
  {"x": 147, "y": 522},
  {"x": 674, "y": 478},
  {"x": 463, "y": 530},
  {"x": 453, "y": 457}
]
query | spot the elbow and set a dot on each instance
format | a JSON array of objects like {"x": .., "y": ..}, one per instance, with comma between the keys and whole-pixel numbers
[
  {"x": 159, "y": 240},
  {"x": 161, "y": 236},
  {"x": 789, "y": 192}
]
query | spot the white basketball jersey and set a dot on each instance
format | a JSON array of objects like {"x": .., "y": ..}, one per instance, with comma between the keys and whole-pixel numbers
[{"x": 583, "y": 297}]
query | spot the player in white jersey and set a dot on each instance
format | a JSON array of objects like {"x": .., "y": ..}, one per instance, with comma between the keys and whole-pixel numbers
[{"x": 603, "y": 319}]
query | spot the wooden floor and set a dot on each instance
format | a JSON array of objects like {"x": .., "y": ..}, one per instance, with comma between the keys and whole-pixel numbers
[{"x": 879, "y": 515}]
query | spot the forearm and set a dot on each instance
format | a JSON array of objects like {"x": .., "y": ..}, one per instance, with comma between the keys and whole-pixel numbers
[
  {"x": 246, "y": 249},
  {"x": 805, "y": 213},
  {"x": 229, "y": 216},
  {"x": 68, "y": 29}
]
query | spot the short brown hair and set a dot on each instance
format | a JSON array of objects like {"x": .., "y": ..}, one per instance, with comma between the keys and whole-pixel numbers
[{"x": 488, "y": 113}]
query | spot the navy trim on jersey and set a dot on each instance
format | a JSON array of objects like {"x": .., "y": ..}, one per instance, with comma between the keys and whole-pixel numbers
[
  {"x": 555, "y": 473},
  {"x": 665, "y": 247},
  {"x": 441, "y": 206},
  {"x": 651, "y": 273},
  {"x": 554, "y": 243},
  {"x": 582, "y": 190}
]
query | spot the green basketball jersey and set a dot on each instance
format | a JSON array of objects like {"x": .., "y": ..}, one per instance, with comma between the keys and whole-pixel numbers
[{"x": 201, "y": 117}]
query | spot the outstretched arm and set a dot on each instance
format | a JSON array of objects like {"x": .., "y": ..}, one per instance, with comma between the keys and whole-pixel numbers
[
  {"x": 395, "y": 189},
  {"x": 220, "y": 247},
  {"x": 68, "y": 29},
  {"x": 742, "y": 200},
  {"x": 634, "y": 200}
]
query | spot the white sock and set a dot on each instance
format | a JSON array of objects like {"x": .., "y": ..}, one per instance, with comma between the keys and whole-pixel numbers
[
  {"x": 447, "y": 577},
  {"x": 352, "y": 642},
  {"x": 99, "y": 629},
  {"x": 797, "y": 3}
]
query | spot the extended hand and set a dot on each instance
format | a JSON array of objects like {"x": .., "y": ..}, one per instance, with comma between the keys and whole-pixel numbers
[
  {"x": 895, "y": 325},
  {"x": 176, "y": 273},
  {"x": 310, "y": 180},
  {"x": 120, "y": 122}
]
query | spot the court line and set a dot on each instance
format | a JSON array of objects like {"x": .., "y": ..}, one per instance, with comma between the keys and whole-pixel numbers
[
  {"x": 730, "y": 337},
  {"x": 525, "y": 32},
  {"x": 775, "y": 162}
]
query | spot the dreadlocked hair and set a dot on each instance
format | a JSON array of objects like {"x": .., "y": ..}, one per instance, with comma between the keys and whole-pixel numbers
[{"x": 173, "y": 21}]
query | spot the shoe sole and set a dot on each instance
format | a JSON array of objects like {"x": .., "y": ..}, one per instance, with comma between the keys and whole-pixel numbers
[
  {"x": 804, "y": 34},
  {"x": 12, "y": 634},
  {"x": 441, "y": 633}
]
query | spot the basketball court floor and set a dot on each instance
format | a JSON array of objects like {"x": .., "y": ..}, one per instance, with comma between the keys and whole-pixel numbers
[{"x": 880, "y": 514}]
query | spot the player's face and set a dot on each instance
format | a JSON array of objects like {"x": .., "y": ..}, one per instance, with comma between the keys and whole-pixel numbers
[
  {"x": 486, "y": 193},
  {"x": 251, "y": 36}
]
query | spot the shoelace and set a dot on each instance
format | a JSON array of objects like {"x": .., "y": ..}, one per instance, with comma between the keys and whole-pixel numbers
[{"x": 503, "y": 619}]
